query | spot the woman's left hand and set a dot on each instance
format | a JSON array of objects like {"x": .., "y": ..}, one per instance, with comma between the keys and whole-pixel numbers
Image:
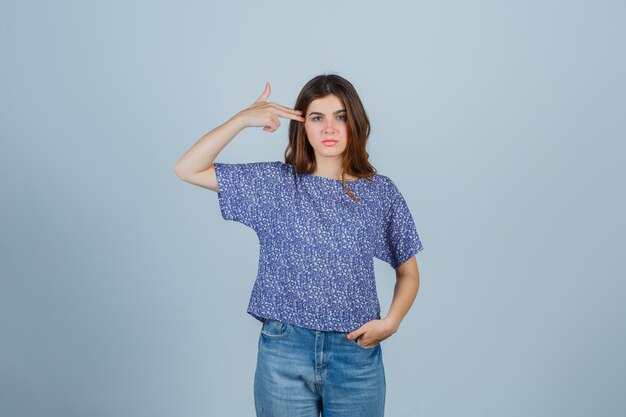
[{"x": 373, "y": 332}]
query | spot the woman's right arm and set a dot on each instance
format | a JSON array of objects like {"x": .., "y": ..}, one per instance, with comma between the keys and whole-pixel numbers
[{"x": 196, "y": 165}]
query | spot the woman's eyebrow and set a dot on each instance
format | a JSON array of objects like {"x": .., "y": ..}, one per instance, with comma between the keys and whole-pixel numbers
[{"x": 338, "y": 111}]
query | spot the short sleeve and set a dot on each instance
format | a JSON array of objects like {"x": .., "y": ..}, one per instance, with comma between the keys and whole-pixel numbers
[
  {"x": 247, "y": 190},
  {"x": 398, "y": 238}
]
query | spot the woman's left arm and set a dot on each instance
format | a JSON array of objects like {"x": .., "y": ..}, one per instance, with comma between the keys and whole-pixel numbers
[{"x": 404, "y": 293}]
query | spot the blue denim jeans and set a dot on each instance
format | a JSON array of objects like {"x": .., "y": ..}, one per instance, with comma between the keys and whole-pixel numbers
[{"x": 303, "y": 372}]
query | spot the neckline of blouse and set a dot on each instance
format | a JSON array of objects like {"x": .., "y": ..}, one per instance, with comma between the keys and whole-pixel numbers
[{"x": 334, "y": 180}]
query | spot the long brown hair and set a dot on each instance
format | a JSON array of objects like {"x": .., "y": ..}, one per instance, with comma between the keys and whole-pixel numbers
[{"x": 299, "y": 152}]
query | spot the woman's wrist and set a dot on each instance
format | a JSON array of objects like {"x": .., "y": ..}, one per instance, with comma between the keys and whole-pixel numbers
[
  {"x": 237, "y": 121},
  {"x": 394, "y": 323}
]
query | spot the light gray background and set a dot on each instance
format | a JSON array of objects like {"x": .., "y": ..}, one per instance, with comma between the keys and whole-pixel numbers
[{"x": 123, "y": 292}]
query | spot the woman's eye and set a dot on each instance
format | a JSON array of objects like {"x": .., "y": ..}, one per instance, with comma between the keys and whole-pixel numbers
[
  {"x": 316, "y": 118},
  {"x": 342, "y": 117}
]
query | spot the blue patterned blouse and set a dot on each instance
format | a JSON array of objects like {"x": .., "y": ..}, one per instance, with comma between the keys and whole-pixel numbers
[{"x": 316, "y": 267}]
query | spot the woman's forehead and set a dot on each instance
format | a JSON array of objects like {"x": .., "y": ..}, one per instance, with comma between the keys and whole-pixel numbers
[{"x": 330, "y": 103}]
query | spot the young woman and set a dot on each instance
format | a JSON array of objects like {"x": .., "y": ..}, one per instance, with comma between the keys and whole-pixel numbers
[{"x": 321, "y": 217}]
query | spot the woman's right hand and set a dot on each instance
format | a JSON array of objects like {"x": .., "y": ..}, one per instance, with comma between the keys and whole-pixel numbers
[{"x": 261, "y": 113}]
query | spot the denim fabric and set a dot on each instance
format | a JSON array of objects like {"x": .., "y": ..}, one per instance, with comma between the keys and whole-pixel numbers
[{"x": 302, "y": 372}]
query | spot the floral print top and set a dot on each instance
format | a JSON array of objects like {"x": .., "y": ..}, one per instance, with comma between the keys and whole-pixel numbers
[{"x": 316, "y": 267}]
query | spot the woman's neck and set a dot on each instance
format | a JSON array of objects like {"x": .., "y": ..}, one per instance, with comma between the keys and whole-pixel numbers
[{"x": 330, "y": 168}]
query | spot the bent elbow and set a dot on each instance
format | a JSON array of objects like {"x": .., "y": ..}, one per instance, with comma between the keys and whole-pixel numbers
[{"x": 179, "y": 172}]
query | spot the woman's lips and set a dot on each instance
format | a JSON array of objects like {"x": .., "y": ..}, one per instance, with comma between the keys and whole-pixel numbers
[{"x": 329, "y": 142}]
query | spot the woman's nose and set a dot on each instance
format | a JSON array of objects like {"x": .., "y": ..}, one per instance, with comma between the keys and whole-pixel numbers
[{"x": 330, "y": 125}]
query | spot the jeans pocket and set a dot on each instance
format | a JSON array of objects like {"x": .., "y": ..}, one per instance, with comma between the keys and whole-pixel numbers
[
  {"x": 364, "y": 347},
  {"x": 275, "y": 329}
]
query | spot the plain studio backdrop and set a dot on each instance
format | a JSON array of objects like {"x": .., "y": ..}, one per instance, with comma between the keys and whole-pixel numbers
[{"x": 123, "y": 292}]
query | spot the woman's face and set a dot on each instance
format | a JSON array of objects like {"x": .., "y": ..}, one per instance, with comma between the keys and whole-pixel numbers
[{"x": 326, "y": 126}]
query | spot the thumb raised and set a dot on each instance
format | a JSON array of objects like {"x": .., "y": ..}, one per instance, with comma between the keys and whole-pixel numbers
[{"x": 266, "y": 93}]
